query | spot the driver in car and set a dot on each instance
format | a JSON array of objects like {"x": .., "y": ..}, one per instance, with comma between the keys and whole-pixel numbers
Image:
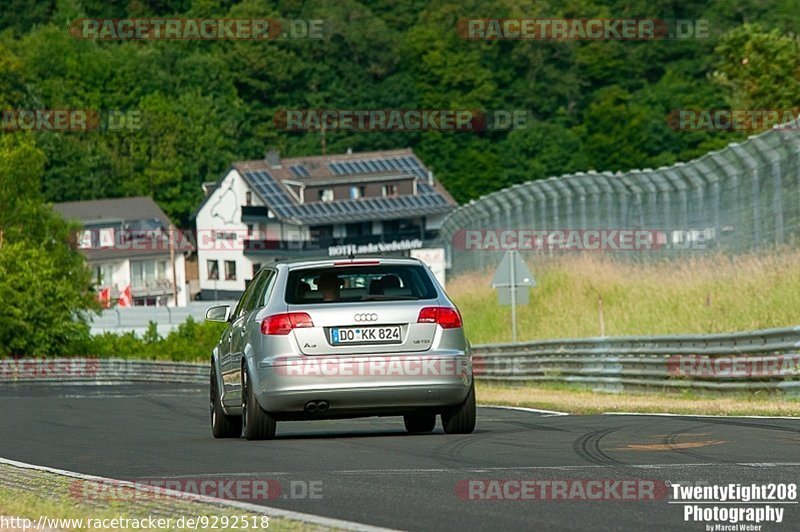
[{"x": 328, "y": 284}]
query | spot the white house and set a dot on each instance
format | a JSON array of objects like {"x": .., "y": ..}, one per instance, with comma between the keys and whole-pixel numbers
[
  {"x": 127, "y": 243},
  {"x": 383, "y": 202}
]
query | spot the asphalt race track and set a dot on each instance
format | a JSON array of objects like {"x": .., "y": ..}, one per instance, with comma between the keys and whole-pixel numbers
[{"x": 372, "y": 472}]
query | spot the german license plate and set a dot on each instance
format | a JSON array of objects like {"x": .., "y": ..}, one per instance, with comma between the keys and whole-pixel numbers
[{"x": 365, "y": 335}]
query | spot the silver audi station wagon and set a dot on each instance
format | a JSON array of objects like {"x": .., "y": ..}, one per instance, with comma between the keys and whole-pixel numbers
[{"x": 329, "y": 339}]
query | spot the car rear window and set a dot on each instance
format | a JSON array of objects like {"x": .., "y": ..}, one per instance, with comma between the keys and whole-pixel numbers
[{"x": 359, "y": 283}]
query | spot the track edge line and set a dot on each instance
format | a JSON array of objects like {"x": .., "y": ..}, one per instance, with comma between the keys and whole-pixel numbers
[{"x": 250, "y": 507}]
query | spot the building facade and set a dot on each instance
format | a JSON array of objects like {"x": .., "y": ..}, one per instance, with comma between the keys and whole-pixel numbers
[
  {"x": 129, "y": 244},
  {"x": 384, "y": 202}
]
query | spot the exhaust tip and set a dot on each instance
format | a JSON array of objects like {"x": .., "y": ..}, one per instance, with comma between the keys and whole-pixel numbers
[
  {"x": 322, "y": 406},
  {"x": 311, "y": 406}
]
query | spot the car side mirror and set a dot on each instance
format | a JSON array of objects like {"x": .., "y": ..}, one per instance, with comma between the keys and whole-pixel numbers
[{"x": 219, "y": 313}]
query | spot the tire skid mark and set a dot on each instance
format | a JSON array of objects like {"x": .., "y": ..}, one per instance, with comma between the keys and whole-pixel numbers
[
  {"x": 670, "y": 440},
  {"x": 588, "y": 447}
]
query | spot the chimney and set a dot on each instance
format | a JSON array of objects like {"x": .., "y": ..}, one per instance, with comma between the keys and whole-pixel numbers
[
  {"x": 273, "y": 158},
  {"x": 349, "y": 151},
  {"x": 430, "y": 178}
]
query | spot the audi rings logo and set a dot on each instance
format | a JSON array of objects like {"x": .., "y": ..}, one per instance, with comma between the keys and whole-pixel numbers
[{"x": 366, "y": 316}]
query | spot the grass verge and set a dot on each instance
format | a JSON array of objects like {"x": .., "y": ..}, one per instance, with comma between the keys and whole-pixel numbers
[
  {"x": 575, "y": 400},
  {"x": 30, "y": 494},
  {"x": 712, "y": 294}
]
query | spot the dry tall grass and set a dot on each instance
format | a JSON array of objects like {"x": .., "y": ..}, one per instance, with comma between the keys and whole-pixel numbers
[{"x": 703, "y": 295}]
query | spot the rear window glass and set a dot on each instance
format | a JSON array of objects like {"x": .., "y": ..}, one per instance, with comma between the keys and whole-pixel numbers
[{"x": 359, "y": 283}]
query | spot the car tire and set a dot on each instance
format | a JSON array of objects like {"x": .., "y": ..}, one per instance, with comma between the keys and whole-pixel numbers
[
  {"x": 222, "y": 425},
  {"x": 461, "y": 419},
  {"x": 419, "y": 423},
  {"x": 256, "y": 424}
]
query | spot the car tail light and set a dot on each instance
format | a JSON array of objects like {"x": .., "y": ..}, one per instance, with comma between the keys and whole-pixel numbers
[
  {"x": 446, "y": 317},
  {"x": 283, "y": 323}
]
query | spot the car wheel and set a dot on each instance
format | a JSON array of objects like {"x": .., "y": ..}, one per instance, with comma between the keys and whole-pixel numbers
[
  {"x": 461, "y": 419},
  {"x": 222, "y": 425},
  {"x": 256, "y": 424},
  {"x": 416, "y": 423}
]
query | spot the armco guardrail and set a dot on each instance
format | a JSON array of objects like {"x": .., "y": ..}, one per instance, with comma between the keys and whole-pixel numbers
[
  {"x": 757, "y": 360},
  {"x": 100, "y": 370}
]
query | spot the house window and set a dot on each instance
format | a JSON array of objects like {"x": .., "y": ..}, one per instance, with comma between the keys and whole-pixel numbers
[
  {"x": 256, "y": 267},
  {"x": 85, "y": 239},
  {"x": 104, "y": 274},
  {"x": 389, "y": 190},
  {"x": 213, "y": 270},
  {"x": 356, "y": 192},
  {"x": 230, "y": 270},
  {"x": 107, "y": 237},
  {"x": 248, "y": 198},
  {"x": 249, "y": 229},
  {"x": 326, "y": 194}
]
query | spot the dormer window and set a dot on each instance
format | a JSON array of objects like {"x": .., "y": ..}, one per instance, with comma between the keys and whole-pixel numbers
[
  {"x": 326, "y": 194},
  {"x": 389, "y": 190},
  {"x": 356, "y": 192}
]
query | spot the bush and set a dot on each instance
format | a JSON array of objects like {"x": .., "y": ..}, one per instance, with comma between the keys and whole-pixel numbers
[{"x": 190, "y": 342}]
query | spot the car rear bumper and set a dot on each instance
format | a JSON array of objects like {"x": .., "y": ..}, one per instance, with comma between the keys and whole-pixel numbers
[{"x": 364, "y": 383}]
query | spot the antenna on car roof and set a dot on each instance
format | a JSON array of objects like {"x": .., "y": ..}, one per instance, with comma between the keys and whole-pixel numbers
[{"x": 351, "y": 256}]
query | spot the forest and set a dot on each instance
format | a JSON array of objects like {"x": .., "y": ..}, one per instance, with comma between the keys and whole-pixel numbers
[{"x": 201, "y": 104}]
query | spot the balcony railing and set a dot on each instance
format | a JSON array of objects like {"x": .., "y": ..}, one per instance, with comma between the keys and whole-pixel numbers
[
  {"x": 319, "y": 244},
  {"x": 151, "y": 287}
]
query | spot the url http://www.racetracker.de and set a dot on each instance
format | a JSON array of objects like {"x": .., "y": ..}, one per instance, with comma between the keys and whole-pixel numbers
[{"x": 199, "y": 522}]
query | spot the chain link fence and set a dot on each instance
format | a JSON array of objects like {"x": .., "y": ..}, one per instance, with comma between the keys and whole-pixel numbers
[{"x": 745, "y": 197}]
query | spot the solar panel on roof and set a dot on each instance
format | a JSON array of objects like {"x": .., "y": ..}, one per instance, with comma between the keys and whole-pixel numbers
[
  {"x": 428, "y": 200},
  {"x": 299, "y": 170}
]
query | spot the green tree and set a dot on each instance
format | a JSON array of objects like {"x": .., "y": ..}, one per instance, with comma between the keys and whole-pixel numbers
[
  {"x": 45, "y": 287},
  {"x": 760, "y": 68}
]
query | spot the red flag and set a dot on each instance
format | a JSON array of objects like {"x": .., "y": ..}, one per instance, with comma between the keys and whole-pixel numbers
[
  {"x": 104, "y": 296},
  {"x": 125, "y": 298}
]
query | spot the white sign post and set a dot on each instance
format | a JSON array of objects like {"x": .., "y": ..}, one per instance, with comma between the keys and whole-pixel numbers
[{"x": 513, "y": 280}]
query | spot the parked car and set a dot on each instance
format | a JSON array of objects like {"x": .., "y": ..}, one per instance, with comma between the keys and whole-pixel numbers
[{"x": 349, "y": 338}]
